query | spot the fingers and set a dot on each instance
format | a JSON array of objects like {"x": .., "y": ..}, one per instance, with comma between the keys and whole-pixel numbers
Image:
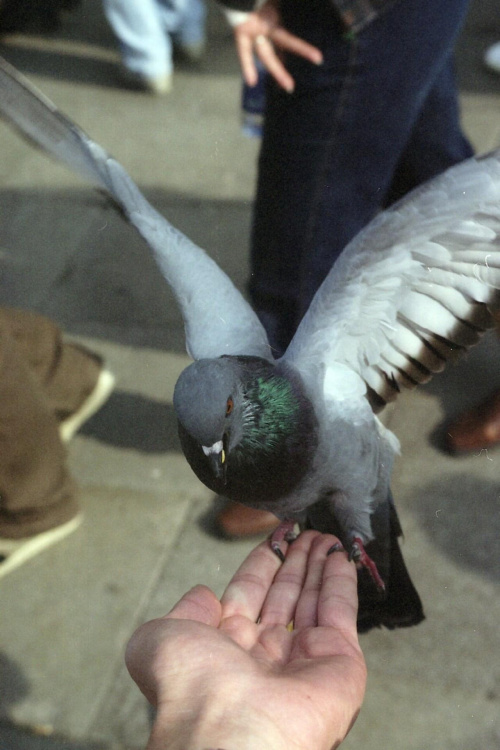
[
  {"x": 287, "y": 588},
  {"x": 262, "y": 39},
  {"x": 244, "y": 47},
  {"x": 248, "y": 588},
  {"x": 265, "y": 51},
  {"x": 306, "y": 613},
  {"x": 338, "y": 597},
  {"x": 281, "y": 39},
  {"x": 310, "y": 587},
  {"x": 330, "y": 592},
  {"x": 291, "y": 43}
]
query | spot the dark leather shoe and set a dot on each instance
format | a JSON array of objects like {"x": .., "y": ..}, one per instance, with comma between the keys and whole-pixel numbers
[
  {"x": 236, "y": 520},
  {"x": 478, "y": 428}
]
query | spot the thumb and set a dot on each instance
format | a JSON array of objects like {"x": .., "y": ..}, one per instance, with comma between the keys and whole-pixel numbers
[{"x": 199, "y": 604}]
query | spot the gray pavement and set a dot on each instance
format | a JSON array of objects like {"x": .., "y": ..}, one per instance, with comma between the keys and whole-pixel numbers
[{"x": 66, "y": 616}]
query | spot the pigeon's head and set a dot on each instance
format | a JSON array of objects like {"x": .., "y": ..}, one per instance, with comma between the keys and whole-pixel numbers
[
  {"x": 246, "y": 428},
  {"x": 208, "y": 401}
]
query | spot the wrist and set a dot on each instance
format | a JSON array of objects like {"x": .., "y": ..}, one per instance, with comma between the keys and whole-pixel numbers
[{"x": 217, "y": 723}]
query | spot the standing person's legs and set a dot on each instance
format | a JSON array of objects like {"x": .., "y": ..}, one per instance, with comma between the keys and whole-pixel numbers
[
  {"x": 185, "y": 20},
  {"x": 144, "y": 29},
  {"x": 36, "y": 492},
  {"x": 48, "y": 387},
  {"x": 145, "y": 46},
  {"x": 330, "y": 149},
  {"x": 73, "y": 379},
  {"x": 437, "y": 140},
  {"x": 334, "y": 149}
]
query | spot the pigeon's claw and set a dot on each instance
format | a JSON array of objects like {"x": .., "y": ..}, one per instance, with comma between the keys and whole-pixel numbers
[
  {"x": 275, "y": 546},
  {"x": 337, "y": 547},
  {"x": 360, "y": 557},
  {"x": 284, "y": 533}
]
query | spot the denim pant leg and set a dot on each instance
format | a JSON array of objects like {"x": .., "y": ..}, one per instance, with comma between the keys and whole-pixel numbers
[
  {"x": 437, "y": 141},
  {"x": 188, "y": 22},
  {"x": 145, "y": 44},
  {"x": 330, "y": 150}
]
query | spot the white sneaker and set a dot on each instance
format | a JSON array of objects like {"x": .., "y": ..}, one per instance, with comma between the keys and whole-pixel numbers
[
  {"x": 492, "y": 57},
  {"x": 15, "y": 552},
  {"x": 100, "y": 394},
  {"x": 158, "y": 85},
  {"x": 192, "y": 52}
]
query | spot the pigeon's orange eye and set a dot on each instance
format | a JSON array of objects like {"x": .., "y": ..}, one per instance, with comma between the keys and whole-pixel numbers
[{"x": 229, "y": 406}]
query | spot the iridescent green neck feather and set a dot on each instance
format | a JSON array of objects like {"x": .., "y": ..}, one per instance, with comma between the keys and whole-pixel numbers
[
  {"x": 271, "y": 414},
  {"x": 278, "y": 439}
]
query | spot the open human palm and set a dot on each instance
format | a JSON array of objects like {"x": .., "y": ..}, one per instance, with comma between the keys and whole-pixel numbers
[{"x": 233, "y": 673}]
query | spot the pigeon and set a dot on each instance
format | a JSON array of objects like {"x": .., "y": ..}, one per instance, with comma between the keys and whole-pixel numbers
[{"x": 300, "y": 435}]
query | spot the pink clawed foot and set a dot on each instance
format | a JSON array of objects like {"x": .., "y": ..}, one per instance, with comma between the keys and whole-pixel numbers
[
  {"x": 359, "y": 555},
  {"x": 284, "y": 533}
]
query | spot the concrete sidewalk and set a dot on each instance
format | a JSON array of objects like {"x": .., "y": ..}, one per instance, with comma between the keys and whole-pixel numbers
[{"x": 66, "y": 617}]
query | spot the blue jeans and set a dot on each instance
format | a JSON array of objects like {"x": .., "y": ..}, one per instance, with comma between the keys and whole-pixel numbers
[
  {"x": 144, "y": 28},
  {"x": 376, "y": 119}
]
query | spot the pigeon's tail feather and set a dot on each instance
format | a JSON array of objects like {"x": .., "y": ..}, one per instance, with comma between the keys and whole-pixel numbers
[
  {"x": 217, "y": 319},
  {"x": 399, "y": 606}
]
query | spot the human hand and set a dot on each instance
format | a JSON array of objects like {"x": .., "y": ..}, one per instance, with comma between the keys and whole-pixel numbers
[
  {"x": 262, "y": 33},
  {"x": 229, "y": 674}
]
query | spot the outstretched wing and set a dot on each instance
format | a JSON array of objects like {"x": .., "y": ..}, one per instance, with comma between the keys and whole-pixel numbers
[
  {"x": 411, "y": 291},
  {"x": 217, "y": 319}
]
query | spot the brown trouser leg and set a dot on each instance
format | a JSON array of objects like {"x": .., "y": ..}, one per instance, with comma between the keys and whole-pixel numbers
[
  {"x": 39, "y": 378},
  {"x": 67, "y": 372}
]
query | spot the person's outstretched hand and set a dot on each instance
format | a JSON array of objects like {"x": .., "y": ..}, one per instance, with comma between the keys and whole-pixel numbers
[
  {"x": 230, "y": 674},
  {"x": 263, "y": 34}
]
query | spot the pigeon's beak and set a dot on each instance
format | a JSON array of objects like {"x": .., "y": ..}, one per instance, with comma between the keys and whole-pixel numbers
[
  {"x": 218, "y": 462},
  {"x": 216, "y": 455}
]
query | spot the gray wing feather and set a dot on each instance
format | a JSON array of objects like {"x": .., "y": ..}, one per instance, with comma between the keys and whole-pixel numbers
[
  {"x": 412, "y": 290},
  {"x": 217, "y": 319}
]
